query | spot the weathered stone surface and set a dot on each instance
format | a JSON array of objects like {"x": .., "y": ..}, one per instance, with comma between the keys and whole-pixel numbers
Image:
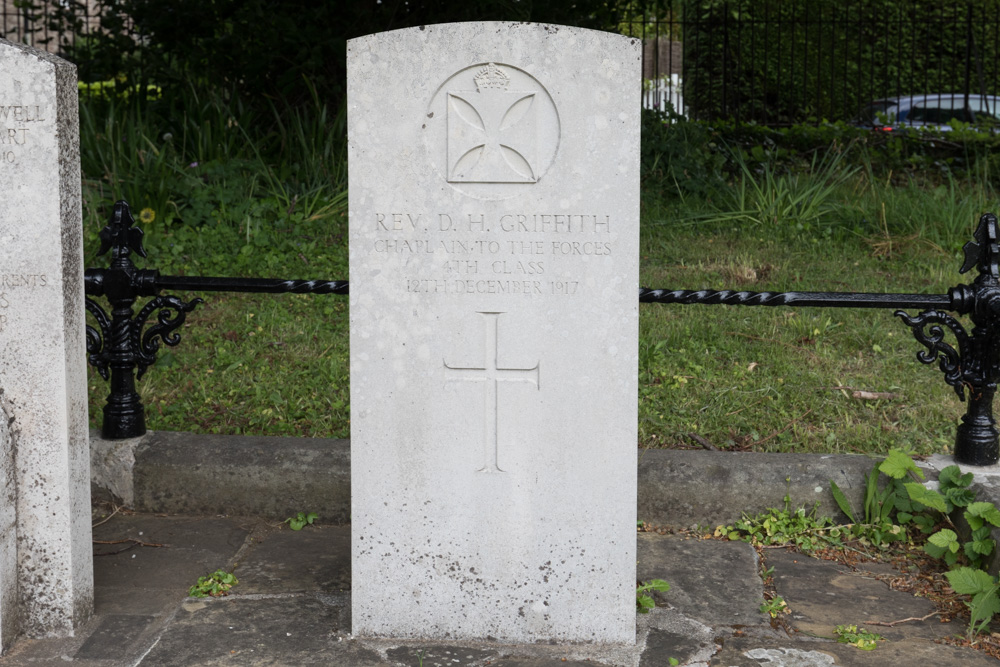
[
  {"x": 145, "y": 580},
  {"x": 9, "y": 612},
  {"x": 295, "y": 630},
  {"x": 672, "y": 484},
  {"x": 542, "y": 662},
  {"x": 114, "y": 638},
  {"x": 494, "y": 208},
  {"x": 140, "y": 600},
  {"x": 673, "y": 634},
  {"x": 438, "y": 656},
  {"x": 823, "y": 594},
  {"x": 257, "y": 476},
  {"x": 748, "y": 652},
  {"x": 42, "y": 351},
  {"x": 112, "y": 463},
  {"x": 725, "y": 588},
  {"x": 316, "y": 558}
]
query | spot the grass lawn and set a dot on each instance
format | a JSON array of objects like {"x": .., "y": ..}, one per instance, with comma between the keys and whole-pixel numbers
[{"x": 228, "y": 193}]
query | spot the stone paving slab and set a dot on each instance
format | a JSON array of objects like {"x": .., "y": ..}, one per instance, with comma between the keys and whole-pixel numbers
[
  {"x": 317, "y": 558},
  {"x": 724, "y": 589},
  {"x": 823, "y": 594},
  {"x": 262, "y": 630},
  {"x": 292, "y": 607},
  {"x": 754, "y": 652}
]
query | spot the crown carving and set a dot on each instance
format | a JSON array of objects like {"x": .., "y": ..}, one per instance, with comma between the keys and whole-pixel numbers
[{"x": 491, "y": 77}]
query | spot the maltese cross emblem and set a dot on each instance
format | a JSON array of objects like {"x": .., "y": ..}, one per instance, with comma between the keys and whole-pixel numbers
[{"x": 491, "y": 132}]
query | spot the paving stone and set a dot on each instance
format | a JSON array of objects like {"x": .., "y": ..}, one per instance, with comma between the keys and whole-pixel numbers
[
  {"x": 739, "y": 652},
  {"x": 295, "y": 630},
  {"x": 723, "y": 589},
  {"x": 143, "y": 580},
  {"x": 252, "y": 626},
  {"x": 823, "y": 594},
  {"x": 316, "y": 558},
  {"x": 673, "y": 635},
  {"x": 437, "y": 656},
  {"x": 114, "y": 637},
  {"x": 542, "y": 662}
]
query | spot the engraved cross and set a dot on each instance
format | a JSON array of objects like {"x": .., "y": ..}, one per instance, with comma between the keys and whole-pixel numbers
[{"x": 490, "y": 373}]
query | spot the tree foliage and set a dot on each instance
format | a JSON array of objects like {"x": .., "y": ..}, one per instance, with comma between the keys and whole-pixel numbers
[{"x": 264, "y": 49}]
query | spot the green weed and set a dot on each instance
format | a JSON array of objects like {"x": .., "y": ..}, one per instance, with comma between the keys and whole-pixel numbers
[
  {"x": 775, "y": 606},
  {"x": 301, "y": 520},
  {"x": 785, "y": 526},
  {"x": 216, "y": 584},
  {"x": 859, "y": 637},
  {"x": 644, "y": 602}
]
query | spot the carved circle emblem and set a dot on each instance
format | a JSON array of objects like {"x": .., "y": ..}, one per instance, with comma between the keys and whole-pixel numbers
[{"x": 491, "y": 130}]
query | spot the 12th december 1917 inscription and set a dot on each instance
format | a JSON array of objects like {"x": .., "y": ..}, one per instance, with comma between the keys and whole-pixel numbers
[
  {"x": 15, "y": 129},
  {"x": 509, "y": 259}
]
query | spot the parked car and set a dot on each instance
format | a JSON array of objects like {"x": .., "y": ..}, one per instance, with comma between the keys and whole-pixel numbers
[{"x": 934, "y": 110}]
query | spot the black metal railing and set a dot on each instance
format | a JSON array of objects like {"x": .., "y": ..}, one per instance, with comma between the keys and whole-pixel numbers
[
  {"x": 777, "y": 62},
  {"x": 769, "y": 61},
  {"x": 123, "y": 347}
]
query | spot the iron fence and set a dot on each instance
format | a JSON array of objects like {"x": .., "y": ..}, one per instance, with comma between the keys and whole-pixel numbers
[
  {"x": 51, "y": 26},
  {"x": 777, "y": 62},
  {"x": 768, "y": 61},
  {"x": 122, "y": 346}
]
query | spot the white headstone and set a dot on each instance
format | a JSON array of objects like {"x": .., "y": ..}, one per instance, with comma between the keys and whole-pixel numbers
[
  {"x": 42, "y": 349},
  {"x": 494, "y": 215}
]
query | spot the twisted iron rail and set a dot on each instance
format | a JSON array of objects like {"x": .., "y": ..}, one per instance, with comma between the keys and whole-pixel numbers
[{"x": 124, "y": 347}]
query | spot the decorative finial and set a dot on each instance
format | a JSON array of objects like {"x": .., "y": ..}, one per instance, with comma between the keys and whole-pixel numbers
[
  {"x": 491, "y": 77},
  {"x": 120, "y": 234},
  {"x": 985, "y": 253}
]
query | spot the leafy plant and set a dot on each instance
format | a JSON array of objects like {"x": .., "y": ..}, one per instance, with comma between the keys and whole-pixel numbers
[
  {"x": 216, "y": 584},
  {"x": 983, "y": 588},
  {"x": 784, "y": 526},
  {"x": 852, "y": 634},
  {"x": 643, "y": 600},
  {"x": 884, "y": 508},
  {"x": 775, "y": 607},
  {"x": 301, "y": 520},
  {"x": 927, "y": 508}
]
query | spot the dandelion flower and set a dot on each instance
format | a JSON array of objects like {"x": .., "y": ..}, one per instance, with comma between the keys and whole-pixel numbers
[{"x": 147, "y": 216}]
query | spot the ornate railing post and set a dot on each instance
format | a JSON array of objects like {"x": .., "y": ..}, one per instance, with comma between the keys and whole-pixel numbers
[
  {"x": 120, "y": 346},
  {"x": 975, "y": 366}
]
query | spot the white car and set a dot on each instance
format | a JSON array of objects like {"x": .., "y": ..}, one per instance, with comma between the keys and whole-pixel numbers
[{"x": 935, "y": 111}]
